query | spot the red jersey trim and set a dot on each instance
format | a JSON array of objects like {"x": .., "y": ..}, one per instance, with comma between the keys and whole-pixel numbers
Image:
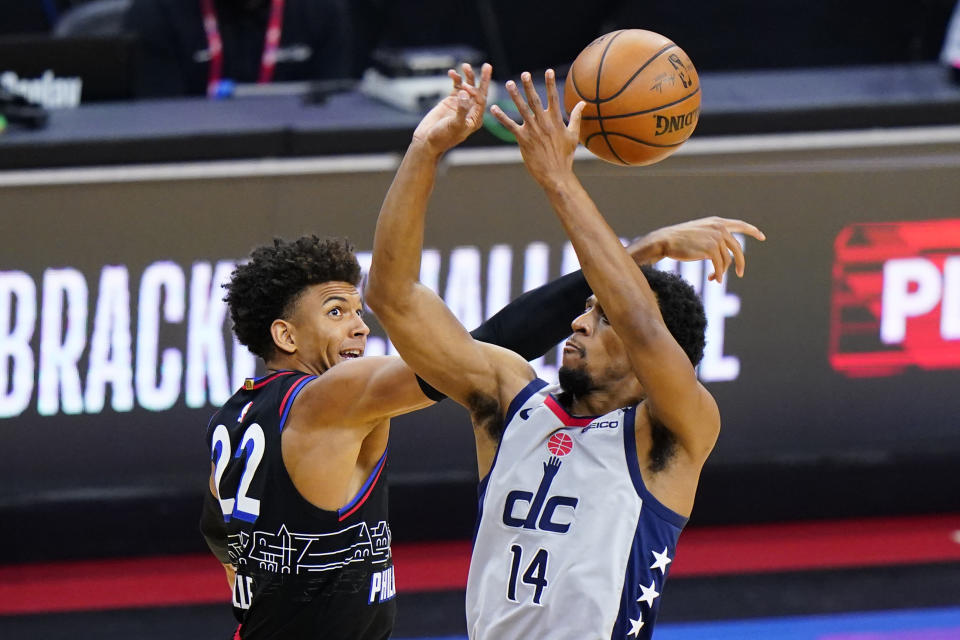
[{"x": 565, "y": 417}]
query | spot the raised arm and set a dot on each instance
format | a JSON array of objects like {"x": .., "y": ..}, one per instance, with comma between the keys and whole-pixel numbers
[
  {"x": 674, "y": 396},
  {"x": 428, "y": 336}
]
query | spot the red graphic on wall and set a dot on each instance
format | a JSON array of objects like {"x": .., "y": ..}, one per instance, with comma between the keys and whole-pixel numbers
[{"x": 896, "y": 298}]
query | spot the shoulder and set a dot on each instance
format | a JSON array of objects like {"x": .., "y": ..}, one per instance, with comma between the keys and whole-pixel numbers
[
  {"x": 361, "y": 392},
  {"x": 344, "y": 382},
  {"x": 509, "y": 366},
  {"x": 489, "y": 409},
  {"x": 512, "y": 374}
]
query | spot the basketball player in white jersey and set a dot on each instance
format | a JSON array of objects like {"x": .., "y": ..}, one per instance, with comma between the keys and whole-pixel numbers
[{"x": 586, "y": 485}]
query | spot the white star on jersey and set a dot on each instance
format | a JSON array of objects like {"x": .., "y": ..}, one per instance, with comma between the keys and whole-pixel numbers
[
  {"x": 635, "y": 626},
  {"x": 661, "y": 561},
  {"x": 649, "y": 593}
]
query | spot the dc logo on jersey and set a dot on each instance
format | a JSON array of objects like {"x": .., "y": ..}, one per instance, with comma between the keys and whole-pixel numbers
[
  {"x": 243, "y": 412},
  {"x": 560, "y": 444},
  {"x": 541, "y": 510}
]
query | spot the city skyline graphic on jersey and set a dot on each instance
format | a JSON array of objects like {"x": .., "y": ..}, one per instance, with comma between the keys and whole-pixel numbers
[{"x": 287, "y": 552}]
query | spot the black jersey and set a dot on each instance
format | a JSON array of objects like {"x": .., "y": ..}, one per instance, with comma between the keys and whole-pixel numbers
[{"x": 302, "y": 571}]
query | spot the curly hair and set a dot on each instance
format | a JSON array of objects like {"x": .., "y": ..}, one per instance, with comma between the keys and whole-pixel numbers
[
  {"x": 681, "y": 309},
  {"x": 269, "y": 285}
]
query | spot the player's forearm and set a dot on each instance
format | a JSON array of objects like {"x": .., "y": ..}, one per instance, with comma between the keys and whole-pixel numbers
[
  {"x": 398, "y": 241},
  {"x": 610, "y": 271}
]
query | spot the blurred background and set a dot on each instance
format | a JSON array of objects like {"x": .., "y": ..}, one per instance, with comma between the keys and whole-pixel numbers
[{"x": 143, "y": 153}]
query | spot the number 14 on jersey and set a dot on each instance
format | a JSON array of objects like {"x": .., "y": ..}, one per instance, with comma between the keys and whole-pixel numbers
[{"x": 534, "y": 575}]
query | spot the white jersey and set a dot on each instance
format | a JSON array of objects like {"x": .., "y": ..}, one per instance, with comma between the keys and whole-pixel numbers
[{"x": 570, "y": 544}]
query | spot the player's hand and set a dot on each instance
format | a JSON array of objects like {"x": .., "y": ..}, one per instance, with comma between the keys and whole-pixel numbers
[
  {"x": 547, "y": 144},
  {"x": 704, "y": 239},
  {"x": 459, "y": 114}
]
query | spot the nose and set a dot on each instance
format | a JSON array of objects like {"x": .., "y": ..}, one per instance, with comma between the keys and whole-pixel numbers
[
  {"x": 581, "y": 324},
  {"x": 360, "y": 329}
]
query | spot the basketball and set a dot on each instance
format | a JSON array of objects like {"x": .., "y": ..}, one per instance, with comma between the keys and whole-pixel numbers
[{"x": 642, "y": 94}]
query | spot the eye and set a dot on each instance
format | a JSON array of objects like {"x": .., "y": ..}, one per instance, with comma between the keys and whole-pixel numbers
[
  {"x": 335, "y": 312},
  {"x": 360, "y": 312}
]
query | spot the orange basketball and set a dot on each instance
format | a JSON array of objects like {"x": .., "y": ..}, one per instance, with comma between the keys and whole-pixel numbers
[{"x": 642, "y": 94}]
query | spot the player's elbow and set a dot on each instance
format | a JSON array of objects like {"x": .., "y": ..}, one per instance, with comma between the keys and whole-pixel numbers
[
  {"x": 380, "y": 296},
  {"x": 388, "y": 297}
]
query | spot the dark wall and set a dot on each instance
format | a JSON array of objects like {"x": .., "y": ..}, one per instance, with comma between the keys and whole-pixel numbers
[{"x": 740, "y": 34}]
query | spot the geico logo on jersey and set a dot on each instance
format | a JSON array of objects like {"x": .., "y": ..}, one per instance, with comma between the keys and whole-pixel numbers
[
  {"x": 242, "y": 592},
  {"x": 541, "y": 511},
  {"x": 896, "y": 298},
  {"x": 601, "y": 424},
  {"x": 382, "y": 586}
]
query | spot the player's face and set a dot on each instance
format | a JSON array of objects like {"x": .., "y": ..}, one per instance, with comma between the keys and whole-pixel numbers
[
  {"x": 595, "y": 347},
  {"x": 329, "y": 324}
]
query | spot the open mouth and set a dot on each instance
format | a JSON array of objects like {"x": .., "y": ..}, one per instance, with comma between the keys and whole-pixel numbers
[{"x": 349, "y": 354}]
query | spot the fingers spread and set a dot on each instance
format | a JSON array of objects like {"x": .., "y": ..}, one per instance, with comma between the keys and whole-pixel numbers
[
  {"x": 553, "y": 96},
  {"x": 532, "y": 96},
  {"x": 457, "y": 80},
  {"x": 505, "y": 120},
  {"x": 468, "y": 73},
  {"x": 518, "y": 100},
  {"x": 486, "y": 71}
]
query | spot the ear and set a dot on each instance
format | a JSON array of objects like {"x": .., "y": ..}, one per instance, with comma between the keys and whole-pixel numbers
[{"x": 282, "y": 333}]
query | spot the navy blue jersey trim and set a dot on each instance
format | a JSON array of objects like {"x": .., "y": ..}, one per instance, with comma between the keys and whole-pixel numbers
[
  {"x": 481, "y": 494},
  {"x": 518, "y": 401},
  {"x": 208, "y": 432},
  {"x": 521, "y": 398},
  {"x": 291, "y": 396},
  {"x": 365, "y": 489},
  {"x": 633, "y": 464}
]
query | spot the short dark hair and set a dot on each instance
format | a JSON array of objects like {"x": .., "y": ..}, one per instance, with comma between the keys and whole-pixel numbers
[
  {"x": 269, "y": 285},
  {"x": 681, "y": 309}
]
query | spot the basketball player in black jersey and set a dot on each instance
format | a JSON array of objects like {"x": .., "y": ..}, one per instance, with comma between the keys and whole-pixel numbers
[{"x": 296, "y": 509}]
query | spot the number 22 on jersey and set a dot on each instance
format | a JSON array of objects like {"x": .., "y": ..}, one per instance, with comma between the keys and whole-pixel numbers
[{"x": 252, "y": 446}]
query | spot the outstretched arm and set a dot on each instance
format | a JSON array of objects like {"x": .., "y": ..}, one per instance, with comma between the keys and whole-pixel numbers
[
  {"x": 428, "y": 336},
  {"x": 674, "y": 395}
]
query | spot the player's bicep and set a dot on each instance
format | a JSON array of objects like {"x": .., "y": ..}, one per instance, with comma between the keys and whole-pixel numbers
[
  {"x": 360, "y": 392},
  {"x": 391, "y": 391},
  {"x": 435, "y": 345}
]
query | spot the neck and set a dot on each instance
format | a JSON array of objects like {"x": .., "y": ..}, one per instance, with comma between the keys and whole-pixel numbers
[
  {"x": 287, "y": 362},
  {"x": 601, "y": 401}
]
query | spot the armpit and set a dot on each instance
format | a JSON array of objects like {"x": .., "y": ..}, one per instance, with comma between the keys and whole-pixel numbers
[
  {"x": 486, "y": 414},
  {"x": 663, "y": 445}
]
